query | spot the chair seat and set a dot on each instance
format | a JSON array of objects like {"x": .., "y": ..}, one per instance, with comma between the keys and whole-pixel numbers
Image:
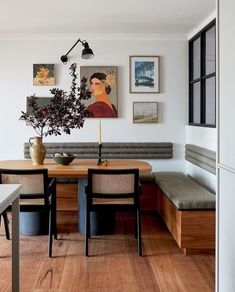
[
  {"x": 36, "y": 202},
  {"x": 122, "y": 201}
]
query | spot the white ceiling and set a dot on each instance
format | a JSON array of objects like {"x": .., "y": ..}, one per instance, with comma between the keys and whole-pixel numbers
[{"x": 103, "y": 16}]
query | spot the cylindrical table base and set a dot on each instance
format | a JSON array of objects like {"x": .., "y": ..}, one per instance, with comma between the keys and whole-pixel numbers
[
  {"x": 34, "y": 223},
  {"x": 101, "y": 223}
]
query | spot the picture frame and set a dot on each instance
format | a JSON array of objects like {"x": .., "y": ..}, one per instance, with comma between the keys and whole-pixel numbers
[
  {"x": 145, "y": 112},
  {"x": 102, "y": 81},
  {"x": 144, "y": 74},
  {"x": 43, "y": 74},
  {"x": 41, "y": 101}
]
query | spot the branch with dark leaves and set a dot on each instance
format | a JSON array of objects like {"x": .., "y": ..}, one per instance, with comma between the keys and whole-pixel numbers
[{"x": 66, "y": 111}]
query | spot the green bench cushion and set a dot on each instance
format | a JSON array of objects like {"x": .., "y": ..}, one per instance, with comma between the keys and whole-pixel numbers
[
  {"x": 110, "y": 150},
  {"x": 184, "y": 192}
]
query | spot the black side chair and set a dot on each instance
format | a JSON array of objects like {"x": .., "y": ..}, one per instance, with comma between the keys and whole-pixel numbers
[
  {"x": 38, "y": 193},
  {"x": 113, "y": 189},
  {"x": 6, "y": 224}
]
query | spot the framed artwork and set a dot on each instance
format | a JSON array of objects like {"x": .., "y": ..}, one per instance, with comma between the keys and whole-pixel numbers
[
  {"x": 144, "y": 74},
  {"x": 102, "y": 81},
  {"x": 41, "y": 101},
  {"x": 44, "y": 74},
  {"x": 145, "y": 112}
]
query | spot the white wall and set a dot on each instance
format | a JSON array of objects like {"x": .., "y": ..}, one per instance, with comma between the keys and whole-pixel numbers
[
  {"x": 18, "y": 55},
  {"x": 202, "y": 136}
]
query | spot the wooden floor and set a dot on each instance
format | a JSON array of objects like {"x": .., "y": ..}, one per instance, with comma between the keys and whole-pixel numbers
[{"x": 113, "y": 265}]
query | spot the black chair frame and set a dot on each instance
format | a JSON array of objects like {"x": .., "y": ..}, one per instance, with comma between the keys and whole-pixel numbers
[
  {"x": 49, "y": 197},
  {"x": 116, "y": 207},
  {"x": 6, "y": 223}
]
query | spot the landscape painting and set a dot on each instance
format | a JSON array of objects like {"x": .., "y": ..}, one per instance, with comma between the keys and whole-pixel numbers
[
  {"x": 41, "y": 101},
  {"x": 145, "y": 112}
]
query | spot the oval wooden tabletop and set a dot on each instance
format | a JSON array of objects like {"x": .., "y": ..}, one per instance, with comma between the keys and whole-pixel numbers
[{"x": 77, "y": 168}]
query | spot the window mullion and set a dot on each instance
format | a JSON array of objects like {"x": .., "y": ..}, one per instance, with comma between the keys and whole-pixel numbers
[
  {"x": 203, "y": 82},
  {"x": 190, "y": 117}
]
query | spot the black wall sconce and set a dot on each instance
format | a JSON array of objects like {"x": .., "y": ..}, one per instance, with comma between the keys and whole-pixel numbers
[{"x": 87, "y": 52}]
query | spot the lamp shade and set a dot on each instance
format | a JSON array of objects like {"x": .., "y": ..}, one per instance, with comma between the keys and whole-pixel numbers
[{"x": 87, "y": 52}]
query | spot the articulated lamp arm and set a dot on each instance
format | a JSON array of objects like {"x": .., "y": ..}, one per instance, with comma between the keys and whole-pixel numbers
[{"x": 87, "y": 52}]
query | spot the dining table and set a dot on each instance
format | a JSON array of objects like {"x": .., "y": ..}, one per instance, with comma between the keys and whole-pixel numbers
[{"x": 79, "y": 169}]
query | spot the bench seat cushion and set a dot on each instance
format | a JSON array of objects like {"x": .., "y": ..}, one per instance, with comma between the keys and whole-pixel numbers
[{"x": 184, "y": 192}]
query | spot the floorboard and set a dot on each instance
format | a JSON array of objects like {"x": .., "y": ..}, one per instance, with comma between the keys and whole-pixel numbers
[{"x": 113, "y": 265}]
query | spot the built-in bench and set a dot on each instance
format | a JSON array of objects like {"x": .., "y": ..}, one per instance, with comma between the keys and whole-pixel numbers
[
  {"x": 110, "y": 150},
  {"x": 188, "y": 210},
  {"x": 186, "y": 207}
]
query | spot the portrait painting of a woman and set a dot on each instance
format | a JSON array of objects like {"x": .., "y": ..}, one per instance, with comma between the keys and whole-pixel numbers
[{"x": 102, "y": 83}]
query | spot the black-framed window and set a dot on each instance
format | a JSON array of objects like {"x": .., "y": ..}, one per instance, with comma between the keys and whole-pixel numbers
[{"x": 202, "y": 67}]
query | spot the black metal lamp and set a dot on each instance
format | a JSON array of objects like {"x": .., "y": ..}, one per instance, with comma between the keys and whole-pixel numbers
[{"x": 87, "y": 52}]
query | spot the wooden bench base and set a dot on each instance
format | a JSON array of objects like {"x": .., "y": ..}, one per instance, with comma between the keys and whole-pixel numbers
[
  {"x": 148, "y": 198},
  {"x": 194, "y": 231}
]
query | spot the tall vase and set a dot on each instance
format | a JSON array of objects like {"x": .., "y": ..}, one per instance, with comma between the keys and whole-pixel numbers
[{"x": 37, "y": 150}]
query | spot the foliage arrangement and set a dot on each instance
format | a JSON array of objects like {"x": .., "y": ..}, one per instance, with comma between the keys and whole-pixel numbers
[{"x": 65, "y": 112}]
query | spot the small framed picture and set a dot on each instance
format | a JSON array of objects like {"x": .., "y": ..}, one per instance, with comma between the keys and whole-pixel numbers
[
  {"x": 144, "y": 74},
  {"x": 41, "y": 101},
  {"x": 44, "y": 74},
  {"x": 145, "y": 112}
]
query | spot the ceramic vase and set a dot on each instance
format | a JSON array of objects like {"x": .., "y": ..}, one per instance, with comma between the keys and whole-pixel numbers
[{"x": 37, "y": 150}]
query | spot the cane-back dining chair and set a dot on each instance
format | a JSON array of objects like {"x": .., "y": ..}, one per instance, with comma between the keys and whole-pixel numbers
[
  {"x": 6, "y": 223},
  {"x": 38, "y": 193},
  {"x": 113, "y": 189}
]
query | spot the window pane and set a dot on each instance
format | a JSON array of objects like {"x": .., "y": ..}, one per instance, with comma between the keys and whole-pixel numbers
[
  {"x": 196, "y": 103},
  {"x": 196, "y": 58},
  {"x": 210, "y": 101},
  {"x": 210, "y": 50}
]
